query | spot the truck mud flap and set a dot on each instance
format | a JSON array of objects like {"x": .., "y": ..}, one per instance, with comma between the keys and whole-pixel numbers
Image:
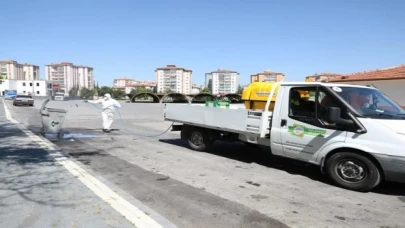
[
  {"x": 185, "y": 131},
  {"x": 177, "y": 127}
]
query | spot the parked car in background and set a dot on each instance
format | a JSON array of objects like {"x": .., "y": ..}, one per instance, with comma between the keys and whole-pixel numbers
[{"x": 23, "y": 100}]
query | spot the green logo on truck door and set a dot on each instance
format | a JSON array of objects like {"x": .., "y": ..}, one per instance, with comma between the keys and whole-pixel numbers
[{"x": 300, "y": 131}]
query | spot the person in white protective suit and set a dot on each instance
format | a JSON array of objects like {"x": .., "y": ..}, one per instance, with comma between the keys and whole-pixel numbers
[{"x": 108, "y": 106}]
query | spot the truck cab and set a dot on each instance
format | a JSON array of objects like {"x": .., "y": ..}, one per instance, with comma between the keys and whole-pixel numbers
[{"x": 354, "y": 133}]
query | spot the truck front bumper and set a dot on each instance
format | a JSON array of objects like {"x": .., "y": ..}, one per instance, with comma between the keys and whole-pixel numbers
[{"x": 393, "y": 167}]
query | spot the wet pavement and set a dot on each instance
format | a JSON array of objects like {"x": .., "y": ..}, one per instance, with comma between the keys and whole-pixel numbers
[
  {"x": 35, "y": 191},
  {"x": 232, "y": 186}
]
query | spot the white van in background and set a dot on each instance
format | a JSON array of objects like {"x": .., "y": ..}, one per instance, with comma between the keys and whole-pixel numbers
[{"x": 60, "y": 96}]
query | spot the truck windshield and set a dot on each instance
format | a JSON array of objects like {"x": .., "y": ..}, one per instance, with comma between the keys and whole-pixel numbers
[{"x": 370, "y": 102}]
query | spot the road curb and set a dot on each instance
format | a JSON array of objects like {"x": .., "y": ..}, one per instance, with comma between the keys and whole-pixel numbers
[{"x": 137, "y": 213}]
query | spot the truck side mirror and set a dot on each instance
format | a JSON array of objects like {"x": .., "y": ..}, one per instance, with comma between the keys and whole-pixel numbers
[{"x": 334, "y": 117}]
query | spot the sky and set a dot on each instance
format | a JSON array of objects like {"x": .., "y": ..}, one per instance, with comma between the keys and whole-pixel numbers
[{"x": 131, "y": 38}]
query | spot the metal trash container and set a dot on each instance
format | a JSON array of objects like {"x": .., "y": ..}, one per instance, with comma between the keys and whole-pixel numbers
[{"x": 52, "y": 120}]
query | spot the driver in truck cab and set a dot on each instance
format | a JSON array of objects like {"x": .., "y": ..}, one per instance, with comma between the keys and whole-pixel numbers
[
  {"x": 360, "y": 99},
  {"x": 357, "y": 99}
]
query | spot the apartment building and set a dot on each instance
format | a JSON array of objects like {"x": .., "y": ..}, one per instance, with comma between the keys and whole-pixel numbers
[
  {"x": 321, "y": 77},
  {"x": 149, "y": 85},
  {"x": 267, "y": 76},
  {"x": 86, "y": 77},
  {"x": 195, "y": 89},
  {"x": 123, "y": 82},
  {"x": 173, "y": 78},
  {"x": 10, "y": 69},
  {"x": 222, "y": 81},
  {"x": 67, "y": 76},
  {"x": 31, "y": 72},
  {"x": 127, "y": 84}
]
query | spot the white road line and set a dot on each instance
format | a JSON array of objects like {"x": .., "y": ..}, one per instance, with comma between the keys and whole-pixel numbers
[{"x": 133, "y": 214}]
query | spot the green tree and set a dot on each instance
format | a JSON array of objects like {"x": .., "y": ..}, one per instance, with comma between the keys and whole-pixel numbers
[
  {"x": 134, "y": 91},
  {"x": 168, "y": 90},
  {"x": 205, "y": 90},
  {"x": 86, "y": 93},
  {"x": 142, "y": 89},
  {"x": 137, "y": 90},
  {"x": 240, "y": 89},
  {"x": 117, "y": 93},
  {"x": 74, "y": 91},
  {"x": 103, "y": 90}
]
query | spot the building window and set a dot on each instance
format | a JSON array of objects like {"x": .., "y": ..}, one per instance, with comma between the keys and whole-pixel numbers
[
  {"x": 31, "y": 84},
  {"x": 24, "y": 85},
  {"x": 37, "y": 83},
  {"x": 37, "y": 92}
]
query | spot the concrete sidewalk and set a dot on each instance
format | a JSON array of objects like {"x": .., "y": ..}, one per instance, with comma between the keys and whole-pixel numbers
[{"x": 36, "y": 191}]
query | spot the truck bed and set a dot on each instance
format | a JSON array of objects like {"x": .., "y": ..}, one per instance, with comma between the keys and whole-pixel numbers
[{"x": 235, "y": 119}]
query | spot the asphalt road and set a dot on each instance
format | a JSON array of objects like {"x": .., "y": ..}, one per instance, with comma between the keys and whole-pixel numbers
[
  {"x": 233, "y": 186},
  {"x": 35, "y": 191}
]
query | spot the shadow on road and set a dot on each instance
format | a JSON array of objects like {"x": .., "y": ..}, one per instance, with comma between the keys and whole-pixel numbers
[
  {"x": 260, "y": 155},
  {"x": 25, "y": 173},
  {"x": 390, "y": 188}
]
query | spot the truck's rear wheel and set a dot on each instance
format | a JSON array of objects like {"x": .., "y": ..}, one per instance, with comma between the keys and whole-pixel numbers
[
  {"x": 353, "y": 171},
  {"x": 199, "y": 140}
]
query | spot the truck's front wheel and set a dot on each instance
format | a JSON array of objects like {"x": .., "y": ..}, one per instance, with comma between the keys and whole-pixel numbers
[
  {"x": 199, "y": 140},
  {"x": 353, "y": 171}
]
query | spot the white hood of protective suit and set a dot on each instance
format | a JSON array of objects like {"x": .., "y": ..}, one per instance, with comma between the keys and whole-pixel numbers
[
  {"x": 397, "y": 126},
  {"x": 107, "y": 96}
]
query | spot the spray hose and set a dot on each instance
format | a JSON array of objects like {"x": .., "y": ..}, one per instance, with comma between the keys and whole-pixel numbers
[{"x": 128, "y": 129}]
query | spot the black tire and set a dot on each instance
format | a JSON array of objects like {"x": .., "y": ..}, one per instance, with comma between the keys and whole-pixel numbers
[
  {"x": 353, "y": 171},
  {"x": 199, "y": 140}
]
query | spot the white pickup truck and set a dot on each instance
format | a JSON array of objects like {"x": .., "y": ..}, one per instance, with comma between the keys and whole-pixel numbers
[{"x": 355, "y": 134}]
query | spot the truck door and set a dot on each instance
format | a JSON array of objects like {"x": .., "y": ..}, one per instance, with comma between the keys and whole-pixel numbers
[{"x": 303, "y": 126}]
